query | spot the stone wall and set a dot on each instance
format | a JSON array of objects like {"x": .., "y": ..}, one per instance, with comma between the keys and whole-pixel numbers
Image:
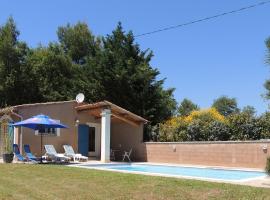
[{"x": 249, "y": 154}]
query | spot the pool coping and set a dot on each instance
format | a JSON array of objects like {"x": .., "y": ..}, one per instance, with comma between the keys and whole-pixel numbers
[{"x": 248, "y": 181}]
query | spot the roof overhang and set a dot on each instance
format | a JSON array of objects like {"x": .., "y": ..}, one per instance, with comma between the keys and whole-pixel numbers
[
  {"x": 117, "y": 112},
  {"x": 9, "y": 111}
]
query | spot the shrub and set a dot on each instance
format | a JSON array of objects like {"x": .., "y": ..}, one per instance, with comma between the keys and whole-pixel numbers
[
  {"x": 205, "y": 125},
  {"x": 267, "y": 168},
  {"x": 209, "y": 125},
  {"x": 196, "y": 131},
  {"x": 207, "y": 115},
  {"x": 181, "y": 131},
  {"x": 166, "y": 133},
  {"x": 244, "y": 127},
  {"x": 218, "y": 131},
  {"x": 264, "y": 124},
  {"x": 174, "y": 121},
  {"x": 173, "y": 130}
]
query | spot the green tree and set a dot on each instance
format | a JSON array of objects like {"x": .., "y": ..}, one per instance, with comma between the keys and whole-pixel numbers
[
  {"x": 84, "y": 50},
  {"x": 250, "y": 110},
  {"x": 54, "y": 73},
  {"x": 113, "y": 68},
  {"x": 267, "y": 83},
  {"x": 78, "y": 42},
  {"x": 123, "y": 74},
  {"x": 16, "y": 83},
  {"x": 225, "y": 105},
  {"x": 186, "y": 107},
  {"x": 267, "y": 42}
]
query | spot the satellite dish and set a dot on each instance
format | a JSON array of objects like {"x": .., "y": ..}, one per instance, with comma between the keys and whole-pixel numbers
[{"x": 80, "y": 98}]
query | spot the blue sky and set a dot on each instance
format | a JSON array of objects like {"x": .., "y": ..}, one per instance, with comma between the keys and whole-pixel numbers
[{"x": 224, "y": 56}]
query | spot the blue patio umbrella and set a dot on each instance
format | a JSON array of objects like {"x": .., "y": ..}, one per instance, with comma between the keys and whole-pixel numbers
[{"x": 39, "y": 122}]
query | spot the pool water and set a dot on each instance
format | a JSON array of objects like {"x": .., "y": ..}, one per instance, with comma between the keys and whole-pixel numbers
[{"x": 209, "y": 173}]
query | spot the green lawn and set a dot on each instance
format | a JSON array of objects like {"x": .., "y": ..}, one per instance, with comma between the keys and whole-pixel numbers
[{"x": 23, "y": 181}]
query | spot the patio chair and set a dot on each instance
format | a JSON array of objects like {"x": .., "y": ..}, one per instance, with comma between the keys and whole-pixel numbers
[
  {"x": 69, "y": 152},
  {"x": 112, "y": 155},
  {"x": 19, "y": 156},
  {"x": 53, "y": 155},
  {"x": 127, "y": 155},
  {"x": 29, "y": 154}
]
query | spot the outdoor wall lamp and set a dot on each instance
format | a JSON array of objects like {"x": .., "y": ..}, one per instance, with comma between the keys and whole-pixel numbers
[
  {"x": 264, "y": 148},
  {"x": 77, "y": 122},
  {"x": 174, "y": 148}
]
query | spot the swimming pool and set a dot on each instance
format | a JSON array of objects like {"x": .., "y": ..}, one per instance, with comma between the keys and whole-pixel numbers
[{"x": 192, "y": 172}]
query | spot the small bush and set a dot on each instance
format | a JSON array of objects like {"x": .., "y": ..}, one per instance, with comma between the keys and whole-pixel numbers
[{"x": 267, "y": 168}]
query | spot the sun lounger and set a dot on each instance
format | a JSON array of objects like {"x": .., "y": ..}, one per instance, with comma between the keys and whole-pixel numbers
[
  {"x": 17, "y": 153},
  {"x": 69, "y": 152},
  {"x": 19, "y": 156},
  {"x": 29, "y": 154},
  {"x": 127, "y": 155},
  {"x": 52, "y": 154}
]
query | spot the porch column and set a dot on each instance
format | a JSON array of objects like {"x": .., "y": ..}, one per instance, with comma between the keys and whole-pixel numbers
[
  {"x": 105, "y": 135},
  {"x": 21, "y": 139},
  {"x": 16, "y": 135}
]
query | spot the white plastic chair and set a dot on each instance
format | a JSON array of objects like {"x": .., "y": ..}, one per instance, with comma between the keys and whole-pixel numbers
[
  {"x": 112, "y": 155},
  {"x": 127, "y": 155}
]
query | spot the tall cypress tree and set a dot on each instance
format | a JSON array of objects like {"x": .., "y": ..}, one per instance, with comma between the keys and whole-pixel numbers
[{"x": 124, "y": 76}]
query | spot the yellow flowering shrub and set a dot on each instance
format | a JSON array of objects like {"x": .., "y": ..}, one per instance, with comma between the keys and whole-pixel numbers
[
  {"x": 173, "y": 130},
  {"x": 174, "y": 121},
  {"x": 198, "y": 125},
  {"x": 209, "y": 114},
  {"x": 210, "y": 125}
]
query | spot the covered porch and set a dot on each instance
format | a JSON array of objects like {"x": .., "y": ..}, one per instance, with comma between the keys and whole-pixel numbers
[{"x": 106, "y": 127}]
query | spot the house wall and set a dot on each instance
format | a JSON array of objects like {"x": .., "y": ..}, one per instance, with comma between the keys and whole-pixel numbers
[
  {"x": 62, "y": 111},
  {"x": 230, "y": 154},
  {"x": 124, "y": 137},
  {"x": 66, "y": 113}
]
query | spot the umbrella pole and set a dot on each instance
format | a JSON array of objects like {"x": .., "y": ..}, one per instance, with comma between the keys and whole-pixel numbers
[{"x": 41, "y": 146}]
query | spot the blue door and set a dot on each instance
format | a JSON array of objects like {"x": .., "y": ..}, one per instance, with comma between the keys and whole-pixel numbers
[{"x": 83, "y": 139}]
